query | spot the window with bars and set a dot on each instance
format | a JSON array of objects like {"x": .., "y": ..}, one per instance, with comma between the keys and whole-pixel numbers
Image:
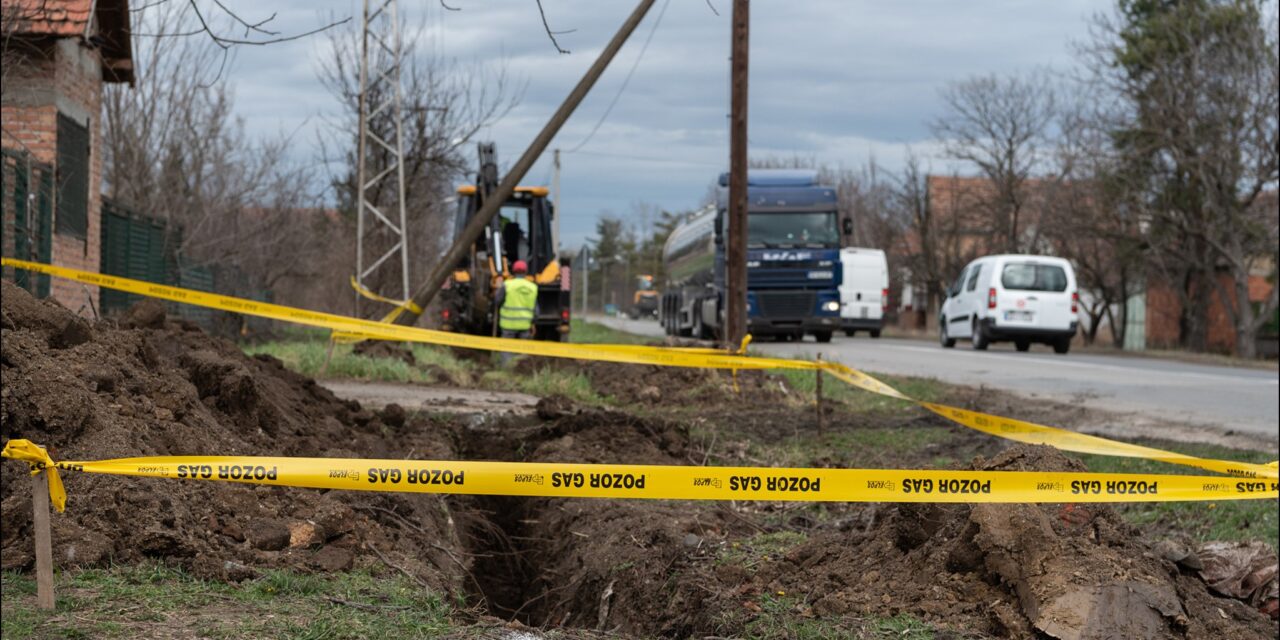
[{"x": 72, "y": 178}]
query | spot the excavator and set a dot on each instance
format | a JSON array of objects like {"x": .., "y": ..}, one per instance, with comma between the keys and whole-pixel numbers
[
  {"x": 520, "y": 231},
  {"x": 644, "y": 303}
]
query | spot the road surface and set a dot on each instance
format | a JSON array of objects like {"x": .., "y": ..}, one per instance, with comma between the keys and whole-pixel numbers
[{"x": 1162, "y": 391}]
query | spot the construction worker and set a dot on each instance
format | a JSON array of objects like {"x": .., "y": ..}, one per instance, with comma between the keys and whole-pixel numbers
[{"x": 517, "y": 301}]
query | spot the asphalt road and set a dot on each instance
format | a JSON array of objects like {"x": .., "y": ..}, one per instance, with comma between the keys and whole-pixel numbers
[{"x": 1161, "y": 390}]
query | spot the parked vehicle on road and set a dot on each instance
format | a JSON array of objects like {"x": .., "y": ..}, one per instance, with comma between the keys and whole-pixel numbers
[
  {"x": 864, "y": 290},
  {"x": 1012, "y": 298}
]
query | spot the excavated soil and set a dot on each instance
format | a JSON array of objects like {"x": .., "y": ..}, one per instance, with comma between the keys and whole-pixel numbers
[
  {"x": 151, "y": 386},
  {"x": 154, "y": 387}
]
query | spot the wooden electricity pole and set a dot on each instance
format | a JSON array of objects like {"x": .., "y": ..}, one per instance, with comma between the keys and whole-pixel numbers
[
  {"x": 492, "y": 202},
  {"x": 736, "y": 250}
]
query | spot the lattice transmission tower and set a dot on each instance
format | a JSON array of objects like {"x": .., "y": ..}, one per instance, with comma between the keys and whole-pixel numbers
[{"x": 380, "y": 166}]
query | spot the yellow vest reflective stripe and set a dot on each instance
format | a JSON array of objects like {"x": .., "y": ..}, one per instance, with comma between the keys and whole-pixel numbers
[{"x": 517, "y": 305}]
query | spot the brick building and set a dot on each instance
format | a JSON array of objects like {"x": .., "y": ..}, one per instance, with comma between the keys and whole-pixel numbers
[{"x": 57, "y": 55}]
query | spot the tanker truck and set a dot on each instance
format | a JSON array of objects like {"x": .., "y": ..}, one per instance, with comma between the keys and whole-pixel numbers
[{"x": 793, "y": 261}]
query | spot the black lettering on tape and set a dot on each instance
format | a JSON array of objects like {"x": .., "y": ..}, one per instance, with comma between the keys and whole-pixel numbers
[
  {"x": 917, "y": 485},
  {"x": 793, "y": 484},
  {"x": 617, "y": 481},
  {"x": 963, "y": 486},
  {"x": 384, "y": 476},
  {"x": 563, "y": 479},
  {"x": 1132, "y": 487},
  {"x": 744, "y": 483}
]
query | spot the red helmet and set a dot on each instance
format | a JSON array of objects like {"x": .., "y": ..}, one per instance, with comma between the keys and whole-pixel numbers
[{"x": 519, "y": 266}]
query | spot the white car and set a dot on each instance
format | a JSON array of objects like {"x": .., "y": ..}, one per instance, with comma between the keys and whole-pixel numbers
[
  {"x": 864, "y": 290},
  {"x": 1012, "y": 298}
]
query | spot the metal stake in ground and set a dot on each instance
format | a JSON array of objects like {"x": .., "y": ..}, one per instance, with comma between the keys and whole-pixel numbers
[
  {"x": 44, "y": 545},
  {"x": 817, "y": 397},
  {"x": 422, "y": 297}
]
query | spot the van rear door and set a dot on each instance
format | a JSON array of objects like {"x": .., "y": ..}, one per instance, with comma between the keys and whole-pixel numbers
[
  {"x": 1037, "y": 294},
  {"x": 865, "y": 277}
]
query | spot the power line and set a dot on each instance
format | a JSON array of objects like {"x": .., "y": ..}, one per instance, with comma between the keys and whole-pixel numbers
[{"x": 626, "y": 80}]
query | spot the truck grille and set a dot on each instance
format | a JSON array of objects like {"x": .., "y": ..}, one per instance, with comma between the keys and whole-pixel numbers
[{"x": 785, "y": 304}]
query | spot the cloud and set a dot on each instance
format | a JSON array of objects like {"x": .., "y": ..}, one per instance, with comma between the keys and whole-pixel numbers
[{"x": 834, "y": 80}]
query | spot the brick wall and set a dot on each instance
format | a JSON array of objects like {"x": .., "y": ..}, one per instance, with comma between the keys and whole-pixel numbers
[
  {"x": 1164, "y": 308},
  {"x": 60, "y": 77}
]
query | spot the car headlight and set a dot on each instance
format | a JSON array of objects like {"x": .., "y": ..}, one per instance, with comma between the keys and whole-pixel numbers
[{"x": 831, "y": 305}]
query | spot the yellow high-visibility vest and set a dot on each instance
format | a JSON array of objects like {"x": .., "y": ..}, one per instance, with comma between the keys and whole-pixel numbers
[{"x": 517, "y": 305}]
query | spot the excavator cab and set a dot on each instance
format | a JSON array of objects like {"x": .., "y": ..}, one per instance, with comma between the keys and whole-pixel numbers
[
  {"x": 520, "y": 231},
  {"x": 644, "y": 303}
]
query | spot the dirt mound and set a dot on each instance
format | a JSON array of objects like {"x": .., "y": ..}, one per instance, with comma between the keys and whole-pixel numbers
[
  {"x": 670, "y": 386},
  {"x": 671, "y": 569},
  {"x": 1010, "y": 570},
  {"x": 157, "y": 387}
]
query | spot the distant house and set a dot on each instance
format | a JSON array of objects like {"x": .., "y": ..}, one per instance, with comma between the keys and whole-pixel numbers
[{"x": 57, "y": 56}]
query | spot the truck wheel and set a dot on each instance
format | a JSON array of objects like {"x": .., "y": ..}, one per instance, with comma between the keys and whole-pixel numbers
[
  {"x": 1062, "y": 346},
  {"x": 946, "y": 341},
  {"x": 875, "y": 333},
  {"x": 822, "y": 336},
  {"x": 980, "y": 340},
  {"x": 1022, "y": 345},
  {"x": 849, "y": 333}
]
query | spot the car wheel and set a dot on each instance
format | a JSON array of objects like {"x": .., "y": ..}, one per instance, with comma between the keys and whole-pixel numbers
[
  {"x": 946, "y": 341},
  {"x": 822, "y": 336},
  {"x": 980, "y": 341},
  {"x": 875, "y": 333},
  {"x": 1022, "y": 345},
  {"x": 1062, "y": 346}
]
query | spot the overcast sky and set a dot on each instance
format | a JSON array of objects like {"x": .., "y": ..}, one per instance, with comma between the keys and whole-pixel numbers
[{"x": 836, "y": 80}]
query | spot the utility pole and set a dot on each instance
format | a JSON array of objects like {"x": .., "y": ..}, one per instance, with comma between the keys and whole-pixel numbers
[
  {"x": 380, "y": 93},
  {"x": 555, "y": 203},
  {"x": 736, "y": 250},
  {"x": 428, "y": 290}
]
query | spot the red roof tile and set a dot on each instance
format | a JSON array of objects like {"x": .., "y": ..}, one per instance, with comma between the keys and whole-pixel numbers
[{"x": 48, "y": 17}]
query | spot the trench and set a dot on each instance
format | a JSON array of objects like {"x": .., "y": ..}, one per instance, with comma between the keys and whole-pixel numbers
[{"x": 497, "y": 530}]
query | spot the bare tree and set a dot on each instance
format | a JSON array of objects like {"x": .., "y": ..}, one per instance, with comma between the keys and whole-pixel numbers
[
  {"x": 446, "y": 104},
  {"x": 1196, "y": 130},
  {"x": 1087, "y": 219},
  {"x": 174, "y": 150},
  {"x": 1000, "y": 126}
]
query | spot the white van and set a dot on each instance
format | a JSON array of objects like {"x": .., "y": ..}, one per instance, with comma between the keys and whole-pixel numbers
[
  {"x": 1017, "y": 298},
  {"x": 864, "y": 290}
]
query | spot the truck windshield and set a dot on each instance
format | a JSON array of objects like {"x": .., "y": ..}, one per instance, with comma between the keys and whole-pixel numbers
[
  {"x": 1034, "y": 277},
  {"x": 792, "y": 230}
]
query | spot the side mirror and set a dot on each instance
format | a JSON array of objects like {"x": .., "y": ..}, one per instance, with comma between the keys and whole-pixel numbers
[{"x": 848, "y": 226}]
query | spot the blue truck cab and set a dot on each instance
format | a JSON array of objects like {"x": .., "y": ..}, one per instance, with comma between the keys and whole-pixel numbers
[{"x": 793, "y": 261}]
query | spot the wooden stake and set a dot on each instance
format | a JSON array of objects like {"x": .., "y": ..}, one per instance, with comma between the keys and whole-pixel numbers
[
  {"x": 328, "y": 355},
  {"x": 44, "y": 543},
  {"x": 817, "y": 392}
]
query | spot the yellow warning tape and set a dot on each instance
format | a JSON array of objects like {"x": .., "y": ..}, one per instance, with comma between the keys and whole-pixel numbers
[
  {"x": 1017, "y": 430},
  {"x": 401, "y": 306},
  {"x": 659, "y": 482}
]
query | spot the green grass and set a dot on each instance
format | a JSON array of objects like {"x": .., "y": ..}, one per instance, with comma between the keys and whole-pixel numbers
[
  {"x": 307, "y": 356},
  {"x": 782, "y": 615},
  {"x": 858, "y": 401},
  {"x": 156, "y": 601},
  {"x": 545, "y": 382},
  {"x": 1203, "y": 521},
  {"x": 586, "y": 332}
]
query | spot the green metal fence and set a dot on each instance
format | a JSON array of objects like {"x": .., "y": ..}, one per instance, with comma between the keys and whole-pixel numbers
[{"x": 26, "y": 207}]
